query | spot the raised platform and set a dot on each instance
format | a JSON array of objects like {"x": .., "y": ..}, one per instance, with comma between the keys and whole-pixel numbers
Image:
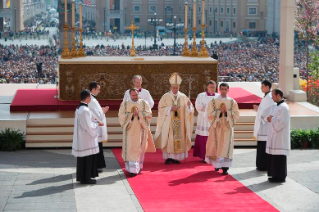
[
  {"x": 44, "y": 129},
  {"x": 44, "y": 100}
]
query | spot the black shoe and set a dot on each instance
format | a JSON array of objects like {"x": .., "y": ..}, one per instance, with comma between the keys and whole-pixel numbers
[
  {"x": 204, "y": 161},
  {"x": 99, "y": 170},
  {"x": 176, "y": 161},
  {"x": 168, "y": 161},
  {"x": 217, "y": 169},
  {"x": 225, "y": 171},
  {"x": 132, "y": 175},
  {"x": 276, "y": 180},
  {"x": 90, "y": 182}
]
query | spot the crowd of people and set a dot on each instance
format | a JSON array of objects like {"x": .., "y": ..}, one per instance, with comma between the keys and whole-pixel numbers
[
  {"x": 238, "y": 62},
  {"x": 28, "y": 64}
]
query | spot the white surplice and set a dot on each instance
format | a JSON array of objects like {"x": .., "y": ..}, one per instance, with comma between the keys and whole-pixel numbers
[
  {"x": 261, "y": 124},
  {"x": 143, "y": 94},
  {"x": 98, "y": 114},
  {"x": 201, "y": 103},
  {"x": 278, "y": 142},
  {"x": 85, "y": 137}
]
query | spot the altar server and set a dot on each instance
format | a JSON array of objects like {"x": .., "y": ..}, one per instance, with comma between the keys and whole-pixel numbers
[
  {"x": 142, "y": 93},
  {"x": 223, "y": 113},
  {"x": 135, "y": 116},
  {"x": 278, "y": 140},
  {"x": 202, "y": 121},
  {"x": 85, "y": 141},
  {"x": 98, "y": 114},
  {"x": 174, "y": 123},
  {"x": 262, "y": 125}
]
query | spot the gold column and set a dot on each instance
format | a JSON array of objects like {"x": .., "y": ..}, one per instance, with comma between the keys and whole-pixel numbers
[
  {"x": 186, "y": 52},
  {"x": 66, "y": 52},
  {"x": 81, "y": 50},
  {"x": 74, "y": 52},
  {"x": 194, "y": 52},
  {"x": 203, "y": 50}
]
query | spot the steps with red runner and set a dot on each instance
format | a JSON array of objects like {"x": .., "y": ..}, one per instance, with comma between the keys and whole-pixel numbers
[
  {"x": 190, "y": 186},
  {"x": 43, "y": 100}
]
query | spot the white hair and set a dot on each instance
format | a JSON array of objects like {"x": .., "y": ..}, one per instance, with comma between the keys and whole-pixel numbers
[{"x": 137, "y": 76}]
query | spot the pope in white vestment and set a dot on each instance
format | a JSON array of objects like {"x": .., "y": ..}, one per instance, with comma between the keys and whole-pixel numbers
[
  {"x": 174, "y": 123},
  {"x": 142, "y": 93},
  {"x": 278, "y": 140},
  {"x": 135, "y": 115}
]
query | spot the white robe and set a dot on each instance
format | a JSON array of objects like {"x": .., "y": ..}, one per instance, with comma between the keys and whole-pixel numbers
[
  {"x": 261, "y": 123},
  {"x": 201, "y": 103},
  {"x": 144, "y": 94},
  {"x": 278, "y": 142},
  {"x": 98, "y": 114},
  {"x": 85, "y": 137}
]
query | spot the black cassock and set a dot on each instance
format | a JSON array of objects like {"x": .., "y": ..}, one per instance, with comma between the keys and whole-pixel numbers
[
  {"x": 277, "y": 166},
  {"x": 262, "y": 156},
  {"x": 100, "y": 157},
  {"x": 86, "y": 168}
]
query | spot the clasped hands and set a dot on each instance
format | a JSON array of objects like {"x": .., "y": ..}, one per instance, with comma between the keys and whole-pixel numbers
[
  {"x": 175, "y": 108},
  {"x": 269, "y": 118},
  {"x": 223, "y": 109},
  {"x": 135, "y": 112}
]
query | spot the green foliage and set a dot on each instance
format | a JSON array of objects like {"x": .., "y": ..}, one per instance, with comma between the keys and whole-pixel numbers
[
  {"x": 314, "y": 65},
  {"x": 300, "y": 136},
  {"x": 11, "y": 140}
]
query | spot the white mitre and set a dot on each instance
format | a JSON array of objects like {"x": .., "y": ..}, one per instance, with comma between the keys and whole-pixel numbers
[{"x": 175, "y": 79}]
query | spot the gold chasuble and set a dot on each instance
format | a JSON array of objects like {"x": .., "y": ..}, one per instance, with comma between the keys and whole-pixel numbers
[
  {"x": 220, "y": 142},
  {"x": 174, "y": 128},
  {"x": 137, "y": 137}
]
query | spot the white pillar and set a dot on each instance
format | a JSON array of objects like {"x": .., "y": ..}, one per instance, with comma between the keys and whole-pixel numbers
[{"x": 286, "y": 62}]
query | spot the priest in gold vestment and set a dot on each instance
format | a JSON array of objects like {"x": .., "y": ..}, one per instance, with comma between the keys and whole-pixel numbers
[
  {"x": 174, "y": 123},
  {"x": 135, "y": 115},
  {"x": 222, "y": 113}
]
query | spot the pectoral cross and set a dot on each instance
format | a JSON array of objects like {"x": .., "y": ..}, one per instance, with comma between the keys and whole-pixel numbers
[{"x": 132, "y": 27}]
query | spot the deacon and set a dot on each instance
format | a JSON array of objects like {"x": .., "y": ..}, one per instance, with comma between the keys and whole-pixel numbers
[
  {"x": 135, "y": 115},
  {"x": 262, "y": 125},
  {"x": 98, "y": 114},
  {"x": 174, "y": 123},
  {"x": 143, "y": 93},
  {"x": 278, "y": 140},
  {"x": 223, "y": 113},
  {"x": 85, "y": 141},
  {"x": 202, "y": 122}
]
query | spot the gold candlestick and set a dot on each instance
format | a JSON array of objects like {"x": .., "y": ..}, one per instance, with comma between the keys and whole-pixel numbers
[
  {"x": 74, "y": 53},
  {"x": 81, "y": 50},
  {"x": 203, "y": 50},
  {"x": 194, "y": 52},
  {"x": 66, "y": 51},
  {"x": 186, "y": 52}
]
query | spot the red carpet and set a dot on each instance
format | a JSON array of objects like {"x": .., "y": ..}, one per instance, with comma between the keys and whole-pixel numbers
[
  {"x": 43, "y": 100},
  {"x": 190, "y": 186}
]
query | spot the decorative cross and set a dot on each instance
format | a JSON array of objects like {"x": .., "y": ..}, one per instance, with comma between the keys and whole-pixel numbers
[
  {"x": 190, "y": 80},
  {"x": 132, "y": 27}
]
